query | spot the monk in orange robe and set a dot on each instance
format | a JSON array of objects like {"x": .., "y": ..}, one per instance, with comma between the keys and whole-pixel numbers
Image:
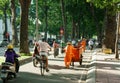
[
  {"x": 83, "y": 44},
  {"x": 68, "y": 54}
]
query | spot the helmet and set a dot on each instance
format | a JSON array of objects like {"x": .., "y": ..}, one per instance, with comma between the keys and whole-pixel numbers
[{"x": 10, "y": 46}]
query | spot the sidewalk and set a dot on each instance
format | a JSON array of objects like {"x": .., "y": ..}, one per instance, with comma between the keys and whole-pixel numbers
[{"x": 104, "y": 68}]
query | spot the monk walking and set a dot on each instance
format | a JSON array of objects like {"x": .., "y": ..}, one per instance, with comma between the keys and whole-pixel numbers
[{"x": 68, "y": 54}]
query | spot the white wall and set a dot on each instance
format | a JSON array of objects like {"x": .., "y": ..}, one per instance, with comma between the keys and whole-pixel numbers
[
  {"x": 2, "y": 29},
  {"x": 9, "y": 28}
]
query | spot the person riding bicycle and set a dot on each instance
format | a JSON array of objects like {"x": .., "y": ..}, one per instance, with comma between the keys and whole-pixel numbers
[
  {"x": 44, "y": 46},
  {"x": 11, "y": 57}
]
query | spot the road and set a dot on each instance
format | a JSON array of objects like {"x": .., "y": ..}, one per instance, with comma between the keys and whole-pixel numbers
[{"x": 57, "y": 74}]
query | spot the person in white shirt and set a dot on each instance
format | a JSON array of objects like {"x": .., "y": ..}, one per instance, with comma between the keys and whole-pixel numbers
[
  {"x": 90, "y": 43},
  {"x": 44, "y": 47}
]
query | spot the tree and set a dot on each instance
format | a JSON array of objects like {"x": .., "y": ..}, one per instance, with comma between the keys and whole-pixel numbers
[
  {"x": 110, "y": 22},
  {"x": 13, "y": 21},
  {"x": 4, "y": 6},
  {"x": 24, "y": 26}
]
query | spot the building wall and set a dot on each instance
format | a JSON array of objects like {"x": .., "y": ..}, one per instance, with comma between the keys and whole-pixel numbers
[
  {"x": 9, "y": 27},
  {"x": 1, "y": 31}
]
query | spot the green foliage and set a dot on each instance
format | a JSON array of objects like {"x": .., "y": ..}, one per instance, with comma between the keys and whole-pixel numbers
[
  {"x": 54, "y": 17},
  {"x": 79, "y": 10},
  {"x": 4, "y": 5},
  {"x": 103, "y": 3}
]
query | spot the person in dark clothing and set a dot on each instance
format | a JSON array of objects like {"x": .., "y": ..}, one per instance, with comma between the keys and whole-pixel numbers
[{"x": 36, "y": 49}]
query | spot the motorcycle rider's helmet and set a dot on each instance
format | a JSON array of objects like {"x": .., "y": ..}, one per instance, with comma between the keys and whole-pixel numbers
[{"x": 10, "y": 46}]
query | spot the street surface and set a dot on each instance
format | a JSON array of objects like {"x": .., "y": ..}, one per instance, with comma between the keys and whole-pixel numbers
[{"x": 57, "y": 74}]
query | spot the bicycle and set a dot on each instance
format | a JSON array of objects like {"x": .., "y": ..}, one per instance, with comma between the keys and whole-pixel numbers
[
  {"x": 42, "y": 64},
  {"x": 41, "y": 61}
]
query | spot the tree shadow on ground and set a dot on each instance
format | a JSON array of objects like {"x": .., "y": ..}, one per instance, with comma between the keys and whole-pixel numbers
[{"x": 27, "y": 77}]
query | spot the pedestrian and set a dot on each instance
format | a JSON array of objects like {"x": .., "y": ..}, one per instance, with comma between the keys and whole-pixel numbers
[
  {"x": 68, "y": 54},
  {"x": 73, "y": 42},
  {"x": 7, "y": 36},
  {"x": 56, "y": 48},
  {"x": 83, "y": 44}
]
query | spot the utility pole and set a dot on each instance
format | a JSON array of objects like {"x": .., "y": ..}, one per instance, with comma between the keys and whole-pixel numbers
[{"x": 37, "y": 35}]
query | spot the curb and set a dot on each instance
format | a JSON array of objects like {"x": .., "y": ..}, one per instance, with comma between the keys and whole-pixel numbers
[
  {"x": 91, "y": 75},
  {"x": 24, "y": 61}
]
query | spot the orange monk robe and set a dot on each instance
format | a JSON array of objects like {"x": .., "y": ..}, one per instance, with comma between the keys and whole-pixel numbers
[
  {"x": 76, "y": 56},
  {"x": 68, "y": 55},
  {"x": 83, "y": 44}
]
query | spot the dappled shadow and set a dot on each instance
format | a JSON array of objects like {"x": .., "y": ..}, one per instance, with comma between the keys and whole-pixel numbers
[
  {"x": 60, "y": 57},
  {"x": 27, "y": 77},
  {"x": 56, "y": 67}
]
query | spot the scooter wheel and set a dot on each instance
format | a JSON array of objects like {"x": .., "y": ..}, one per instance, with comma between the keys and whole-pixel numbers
[{"x": 4, "y": 80}]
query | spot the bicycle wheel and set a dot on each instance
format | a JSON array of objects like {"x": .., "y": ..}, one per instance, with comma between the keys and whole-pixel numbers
[
  {"x": 4, "y": 80},
  {"x": 42, "y": 68},
  {"x": 35, "y": 62}
]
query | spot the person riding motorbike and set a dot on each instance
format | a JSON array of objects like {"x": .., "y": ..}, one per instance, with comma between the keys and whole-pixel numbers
[
  {"x": 90, "y": 44},
  {"x": 11, "y": 57},
  {"x": 44, "y": 46}
]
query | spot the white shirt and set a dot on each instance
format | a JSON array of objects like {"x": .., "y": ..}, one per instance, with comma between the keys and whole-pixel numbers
[
  {"x": 44, "y": 46},
  {"x": 90, "y": 42}
]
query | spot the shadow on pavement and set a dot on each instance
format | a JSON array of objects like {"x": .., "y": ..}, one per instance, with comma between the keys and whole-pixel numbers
[{"x": 26, "y": 77}]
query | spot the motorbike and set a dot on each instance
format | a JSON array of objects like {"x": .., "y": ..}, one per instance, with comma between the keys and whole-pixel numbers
[
  {"x": 8, "y": 71},
  {"x": 91, "y": 47}
]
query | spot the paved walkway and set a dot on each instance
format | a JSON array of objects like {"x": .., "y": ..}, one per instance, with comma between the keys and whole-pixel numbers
[{"x": 104, "y": 68}]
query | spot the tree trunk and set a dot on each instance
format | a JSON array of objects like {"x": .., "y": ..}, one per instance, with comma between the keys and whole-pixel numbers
[
  {"x": 110, "y": 31},
  {"x": 14, "y": 29},
  {"x": 117, "y": 36},
  {"x": 5, "y": 21},
  {"x": 99, "y": 29},
  {"x": 24, "y": 48}
]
